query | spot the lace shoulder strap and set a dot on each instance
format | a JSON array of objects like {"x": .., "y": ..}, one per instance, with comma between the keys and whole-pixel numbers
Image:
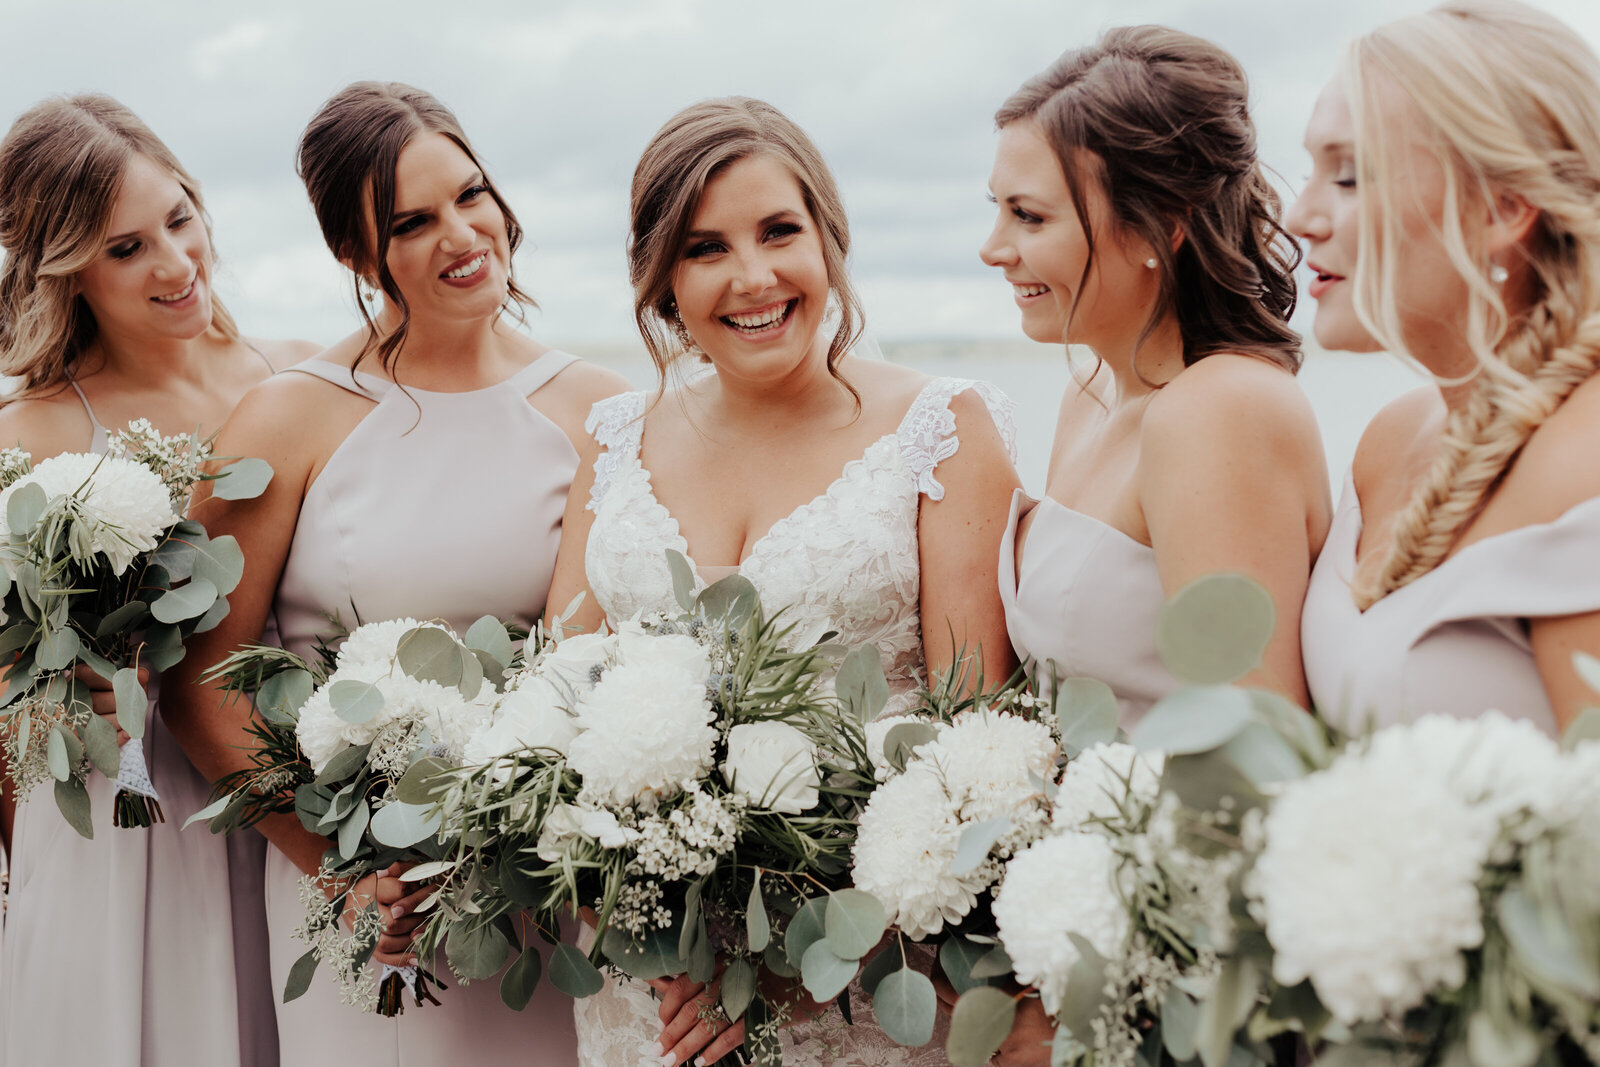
[
  {"x": 928, "y": 432},
  {"x": 617, "y": 425}
]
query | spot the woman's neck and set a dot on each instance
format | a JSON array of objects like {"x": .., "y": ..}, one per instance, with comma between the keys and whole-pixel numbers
[
  {"x": 1139, "y": 369},
  {"x": 150, "y": 362},
  {"x": 444, "y": 356}
]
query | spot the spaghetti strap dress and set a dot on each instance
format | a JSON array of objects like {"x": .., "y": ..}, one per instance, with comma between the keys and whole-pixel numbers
[
  {"x": 436, "y": 506},
  {"x": 141, "y": 946}
]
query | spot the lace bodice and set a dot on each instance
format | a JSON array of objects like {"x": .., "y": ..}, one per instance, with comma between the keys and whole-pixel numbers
[{"x": 845, "y": 560}]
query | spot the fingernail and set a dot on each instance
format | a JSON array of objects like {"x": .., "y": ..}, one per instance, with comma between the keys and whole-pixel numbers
[
  {"x": 397, "y": 911},
  {"x": 699, "y": 1061}
]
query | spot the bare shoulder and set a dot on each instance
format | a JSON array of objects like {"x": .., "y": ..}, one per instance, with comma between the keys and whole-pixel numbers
[
  {"x": 891, "y": 386},
  {"x": 46, "y": 425},
  {"x": 1557, "y": 468},
  {"x": 582, "y": 383},
  {"x": 1231, "y": 402},
  {"x": 284, "y": 353},
  {"x": 1394, "y": 431}
]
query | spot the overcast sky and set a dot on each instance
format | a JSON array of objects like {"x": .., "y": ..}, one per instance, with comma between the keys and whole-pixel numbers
[{"x": 559, "y": 97}]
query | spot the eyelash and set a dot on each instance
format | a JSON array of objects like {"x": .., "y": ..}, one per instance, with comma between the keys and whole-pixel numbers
[
  {"x": 121, "y": 252},
  {"x": 412, "y": 224},
  {"x": 775, "y": 232},
  {"x": 1024, "y": 217}
]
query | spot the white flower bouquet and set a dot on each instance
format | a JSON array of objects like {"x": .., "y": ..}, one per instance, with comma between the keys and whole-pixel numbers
[
  {"x": 98, "y": 567},
  {"x": 335, "y": 738},
  {"x": 692, "y": 783},
  {"x": 1428, "y": 894}
]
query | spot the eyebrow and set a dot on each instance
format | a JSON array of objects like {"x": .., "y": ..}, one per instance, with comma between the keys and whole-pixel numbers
[
  {"x": 401, "y": 216},
  {"x": 776, "y": 216},
  {"x": 177, "y": 209}
]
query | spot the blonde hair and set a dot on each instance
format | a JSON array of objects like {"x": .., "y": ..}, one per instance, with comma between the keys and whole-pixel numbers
[
  {"x": 1510, "y": 99},
  {"x": 61, "y": 167},
  {"x": 696, "y": 145}
]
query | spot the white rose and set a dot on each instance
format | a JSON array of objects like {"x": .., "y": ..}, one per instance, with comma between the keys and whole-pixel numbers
[
  {"x": 679, "y": 650},
  {"x": 530, "y": 716},
  {"x": 570, "y": 665},
  {"x": 567, "y": 821},
  {"x": 774, "y": 766}
]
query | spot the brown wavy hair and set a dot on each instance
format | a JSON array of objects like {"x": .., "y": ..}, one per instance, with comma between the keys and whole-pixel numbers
[
  {"x": 1161, "y": 120},
  {"x": 347, "y": 158},
  {"x": 62, "y": 166},
  {"x": 696, "y": 145}
]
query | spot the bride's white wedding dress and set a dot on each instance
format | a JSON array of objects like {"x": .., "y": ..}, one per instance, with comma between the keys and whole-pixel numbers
[{"x": 847, "y": 559}]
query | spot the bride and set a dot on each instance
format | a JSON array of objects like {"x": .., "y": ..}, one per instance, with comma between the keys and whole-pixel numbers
[{"x": 859, "y": 493}]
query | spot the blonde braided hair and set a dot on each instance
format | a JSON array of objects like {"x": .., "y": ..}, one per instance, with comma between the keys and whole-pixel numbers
[{"x": 1513, "y": 99}]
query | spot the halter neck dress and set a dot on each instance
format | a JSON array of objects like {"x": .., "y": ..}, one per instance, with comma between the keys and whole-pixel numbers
[
  {"x": 1083, "y": 601},
  {"x": 140, "y": 946},
  {"x": 437, "y": 505},
  {"x": 1454, "y": 641}
]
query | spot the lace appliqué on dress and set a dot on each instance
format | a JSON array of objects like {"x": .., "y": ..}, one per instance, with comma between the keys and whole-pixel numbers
[{"x": 928, "y": 432}]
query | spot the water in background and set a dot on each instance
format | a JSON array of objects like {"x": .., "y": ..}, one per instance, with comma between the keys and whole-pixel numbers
[{"x": 1346, "y": 390}]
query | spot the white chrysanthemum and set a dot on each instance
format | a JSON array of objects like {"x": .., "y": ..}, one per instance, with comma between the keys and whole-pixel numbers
[
  {"x": 572, "y": 665},
  {"x": 531, "y": 716},
  {"x": 1506, "y": 765},
  {"x": 907, "y": 839},
  {"x": 125, "y": 505},
  {"x": 377, "y": 642},
  {"x": 877, "y": 734},
  {"x": 1095, "y": 784},
  {"x": 1368, "y": 883},
  {"x": 411, "y": 707},
  {"x": 635, "y": 645},
  {"x": 994, "y": 765},
  {"x": 1062, "y": 885},
  {"x": 773, "y": 765},
  {"x": 646, "y": 726}
]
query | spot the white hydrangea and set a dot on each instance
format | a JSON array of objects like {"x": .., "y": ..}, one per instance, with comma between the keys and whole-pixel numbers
[
  {"x": 125, "y": 506},
  {"x": 994, "y": 765},
  {"x": 1065, "y": 884},
  {"x": 773, "y": 766},
  {"x": 907, "y": 839},
  {"x": 1095, "y": 784},
  {"x": 646, "y": 726},
  {"x": 1368, "y": 881}
]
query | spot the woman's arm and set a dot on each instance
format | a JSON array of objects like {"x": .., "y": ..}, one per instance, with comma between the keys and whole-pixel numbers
[
  {"x": 1232, "y": 479},
  {"x": 959, "y": 543},
  {"x": 570, "y": 578}
]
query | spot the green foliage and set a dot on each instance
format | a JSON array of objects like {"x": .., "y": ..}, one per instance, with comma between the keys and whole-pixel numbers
[
  {"x": 979, "y": 1023},
  {"x": 1215, "y": 630}
]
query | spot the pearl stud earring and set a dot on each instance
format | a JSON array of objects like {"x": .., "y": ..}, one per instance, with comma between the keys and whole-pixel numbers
[
  {"x": 1151, "y": 262},
  {"x": 1498, "y": 274}
]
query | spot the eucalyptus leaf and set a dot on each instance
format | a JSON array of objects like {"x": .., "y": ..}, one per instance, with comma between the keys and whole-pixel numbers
[
  {"x": 133, "y": 703},
  {"x": 1180, "y": 1016},
  {"x": 654, "y": 955},
  {"x": 100, "y": 742},
  {"x": 213, "y": 616},
  {"x": 210, "y": 811},
  {"x": 1193, "y": 719},
  {"x": 56, "y": 755},
  {"x": 428, "y": 654},
  {"x": 343, "y": 764},
  {"x": 220, "y": 562},
  {"x": 471, "y": 679},
  {"x": 1087, "y": 710},
  {"x": 956, "y": 957},
  {"x": 243, "y": 479},
  {"x": 57, "y": 649},
  {"x": 96, "y": 662},
  {"x": 15, "y": 637},
  {"x": 424, "y": 871},
  {"x": 424, "y": 781},
  {"x": 300, "y": 976},
  {"x": 732, "y": 599},
  {"x": 853, "y": 921},
  {"x": 824, "y": 973},
  {"x": 980, "y": 1022},
  {"x": 1500, "y": 1041},
  {"x": 73, "y": 800},
  {"x": 1232, "y": 999},
  {"x": 489, "y": 635},
  {"x": 1588, "y": 668},
  {"x": 1263, "y": 756},
  {"x": 738, "y": 987},
  {"x": 521, "y": 979},
  {"x": 702, "y": 959},
  {"x": 995, "y": 963},
  {"x": 281, "y": 697},
  {"x": 807, "y": 927},
  {"x": 880, "y": 967},
  {"x": 776, "y": 960},
  {"x": 352, "y": 826},
  {"x": 1084, "y": 991},
  {"x": 74, "y": 748},
  {"x": 1544, "y": 945},
  {"x": 355, "y": 701},
  {"x": 1215, "y": 629},
  {"x": 906, "y": 1007},
  {"x": 757, "y": 927},
  {"x": 187, "y": 601},
  {"x": 683, "y": 582},
  {"x": 476, "y": 949},
  {"x": 860, "y": 682},
  {"x": 1586, "y": 727},
  {"x": 903, "y": 739},
  {"x": 692, "y": 929},
  {"x": 176, "y": 557},
  {"x": 515, "y": 883},
  {"x": 124, "y": 619},
  {"x": 974, "y": 845},
  {"x": 25, "y": 508},
  {"x": 573, "y": 974},
  {"x": 163, "y": 645}
]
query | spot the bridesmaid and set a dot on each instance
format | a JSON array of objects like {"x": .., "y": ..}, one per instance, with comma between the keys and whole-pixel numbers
[
  {"x": 1134, "y": 219},
  {"x": 1453, "y": 217},
  {"x": 107, "y": 315},
  {"x": 422, "y": 470}
]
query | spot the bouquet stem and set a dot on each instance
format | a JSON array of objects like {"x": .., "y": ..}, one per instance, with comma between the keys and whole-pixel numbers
[
  {"x": 395, "y": 982},
  {"x": 136, "y": 803},
  {"x": 135, "y": 810}
]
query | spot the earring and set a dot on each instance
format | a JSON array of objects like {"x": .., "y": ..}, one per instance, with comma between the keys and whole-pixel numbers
[
  {"x": 1151, "y": 262},
  {"x": 1498, "y": 274},
  {"x": 368, "y": 291}
]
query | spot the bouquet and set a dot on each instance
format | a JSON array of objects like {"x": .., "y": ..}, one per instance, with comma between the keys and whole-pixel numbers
[
  {"x": 100, "y": 568},
  {"x": 335, "y": 737},
  {"x": 1426, "y": 894},
  {"x": 693, "y": 783}
]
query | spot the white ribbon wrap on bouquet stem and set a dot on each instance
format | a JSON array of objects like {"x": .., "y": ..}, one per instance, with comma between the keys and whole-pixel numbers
[{"x": 132, "y": 774}]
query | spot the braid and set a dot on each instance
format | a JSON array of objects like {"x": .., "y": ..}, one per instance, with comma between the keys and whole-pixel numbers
[{"x": 1483, "y": 438}]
